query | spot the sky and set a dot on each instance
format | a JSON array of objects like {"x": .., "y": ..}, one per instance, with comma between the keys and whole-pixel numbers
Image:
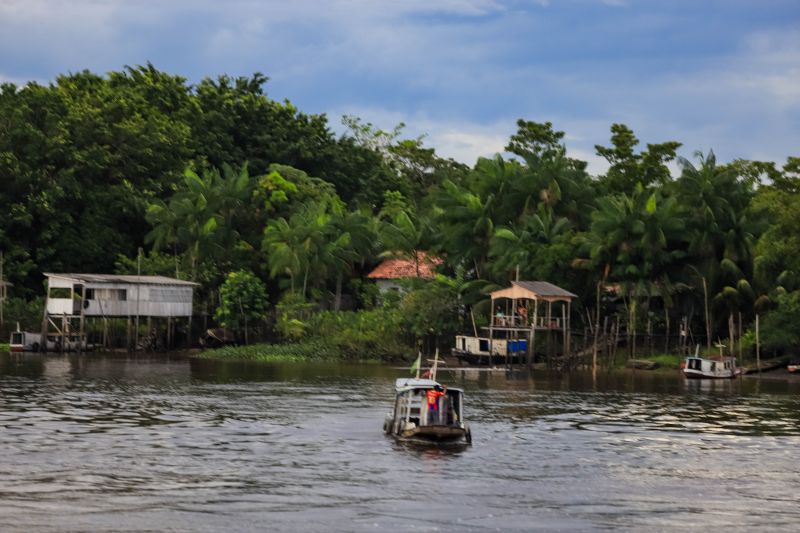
[{"x": 712, "y": 74}]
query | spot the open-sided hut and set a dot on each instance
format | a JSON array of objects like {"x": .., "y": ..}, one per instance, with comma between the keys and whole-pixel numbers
[{"x": 518, "y": 312}]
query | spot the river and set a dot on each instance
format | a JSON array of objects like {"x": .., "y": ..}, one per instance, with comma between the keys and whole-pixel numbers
[{"x": 156, "y": 443}]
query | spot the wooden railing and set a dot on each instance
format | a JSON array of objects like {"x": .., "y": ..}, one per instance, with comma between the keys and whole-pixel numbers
[{"x": 524, "y": 322}]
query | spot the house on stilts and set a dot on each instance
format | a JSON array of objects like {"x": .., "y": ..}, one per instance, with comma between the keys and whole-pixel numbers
[
  {"x": 102, "y": 304},
  {"x": 520, "y": 314}
]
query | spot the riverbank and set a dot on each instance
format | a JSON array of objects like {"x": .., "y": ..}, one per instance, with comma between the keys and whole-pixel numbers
[{"x": 314, "y": 350}]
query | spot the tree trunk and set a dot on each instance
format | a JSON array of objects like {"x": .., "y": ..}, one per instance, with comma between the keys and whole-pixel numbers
[
  {"x": 708, "y": 316},
  {"x": 596, "y": 329},
  {"x": 337, "y": 302}
]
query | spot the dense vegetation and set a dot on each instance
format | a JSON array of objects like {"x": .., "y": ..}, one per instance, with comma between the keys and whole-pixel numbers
[{"x": 280, "y": 219}]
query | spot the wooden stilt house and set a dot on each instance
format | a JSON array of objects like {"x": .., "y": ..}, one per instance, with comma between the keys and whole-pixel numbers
[
  {"x": 75, "y": 299},
  {"x": 519, "y": 313}
]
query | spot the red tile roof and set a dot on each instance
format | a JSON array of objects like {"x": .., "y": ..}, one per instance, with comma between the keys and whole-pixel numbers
[{"x": 398, "y": 268}]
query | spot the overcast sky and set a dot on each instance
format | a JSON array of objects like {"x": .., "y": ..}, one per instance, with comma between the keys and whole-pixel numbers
[{"x": 721, "y": 75}]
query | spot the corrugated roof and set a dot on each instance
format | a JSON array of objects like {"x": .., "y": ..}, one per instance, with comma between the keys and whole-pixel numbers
[
  {"x": 120, "y": 278},
  {"x": 542, "y": 290},
  {"x": 399, "y": 268}
]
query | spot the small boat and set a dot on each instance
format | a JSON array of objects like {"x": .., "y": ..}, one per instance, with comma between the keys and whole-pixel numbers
[
  {"x": 710, "y": 368},
  {"x": 426, "y": 411},
  {"x": 793, "y": 366},
  {"x": 24, "y": 341}
]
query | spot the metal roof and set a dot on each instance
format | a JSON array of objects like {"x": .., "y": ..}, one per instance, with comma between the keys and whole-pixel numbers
[
  {"x": 120, "y": 278},
  {"x": 402, "y": 384},
  {"x": 534, "y": 290}
]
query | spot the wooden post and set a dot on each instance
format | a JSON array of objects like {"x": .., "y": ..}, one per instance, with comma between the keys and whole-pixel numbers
[
  {"x": 549, "y": 332},
  {"x": 81, "y": 330},
  {"x": 63, "y": 333},
  {"x": 169, "y": 333},
  {"x": 739, "y": 336},
  {"x": 564, "y": 341},
  {"x": 533, "y": 330},
  {"x": 43, "y": 345},
  {"x": 708, "y": 316},
  {"x": 2, "y": 291},
  {"x": 105, "y": 333},
  {"x": 758, "y": 347},
  {"x": 731, "y": 335},
  {"x": 491, "y": 332},
  {"x": 569, "y": 326},
  {"x": 128, "y": 335},
  {"x": 596, "y": 328}
]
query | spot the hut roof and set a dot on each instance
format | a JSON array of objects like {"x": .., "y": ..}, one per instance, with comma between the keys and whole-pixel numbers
[
  {"x": 120, "y": 278},
  {"x": 534, "y": 290},
  {"x": 398, "y": 268}
]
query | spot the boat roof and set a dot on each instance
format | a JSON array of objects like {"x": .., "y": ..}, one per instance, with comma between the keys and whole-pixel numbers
[{"x": 403, "y": 384}]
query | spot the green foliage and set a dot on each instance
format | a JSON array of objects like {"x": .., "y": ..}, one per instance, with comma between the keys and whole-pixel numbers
[
  {"x": 243, "y": 299},
  {"x": 27, "y": 313},
  {"x": 153, "y": 263},
  {"x": 629, "y": 169},
  {"x": 316, "y": 349},
  {"x": 293, "y": 313},
  {"x": 779, "y": 331},
  {"x": 367, "y": 334},
  {"x": 431, "y": 310},
  {"x": 217, "y": 177}
]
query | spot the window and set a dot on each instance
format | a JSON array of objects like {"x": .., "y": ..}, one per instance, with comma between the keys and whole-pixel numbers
[{"x": 60, "y": 293}]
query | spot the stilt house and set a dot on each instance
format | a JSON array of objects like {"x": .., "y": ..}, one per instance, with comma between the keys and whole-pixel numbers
[{"x": 72, "y": 299}]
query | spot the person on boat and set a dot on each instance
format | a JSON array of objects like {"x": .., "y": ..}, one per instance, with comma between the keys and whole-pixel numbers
[{"x": 433, "y": 396}]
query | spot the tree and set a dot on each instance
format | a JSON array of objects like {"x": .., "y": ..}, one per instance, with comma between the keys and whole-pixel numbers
[
  {"x": 628, "y": 168},
  {"x": 721, "y": 233},
  {"x": 243, "y": 300}
]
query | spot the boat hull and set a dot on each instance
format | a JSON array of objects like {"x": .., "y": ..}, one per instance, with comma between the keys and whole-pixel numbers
[
  {"x": 434, "y": 434},
  {"x": 696, "y": 374}
]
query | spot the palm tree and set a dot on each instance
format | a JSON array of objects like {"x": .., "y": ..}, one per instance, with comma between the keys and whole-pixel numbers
[
  {"x": 635, "y": 241},
  {"x": 721, "y": 239}
]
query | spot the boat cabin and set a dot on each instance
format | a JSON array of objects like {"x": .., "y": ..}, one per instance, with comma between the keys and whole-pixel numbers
[
  {"x": 411, "y": 403},
  {"x": 424, "y": 410}
]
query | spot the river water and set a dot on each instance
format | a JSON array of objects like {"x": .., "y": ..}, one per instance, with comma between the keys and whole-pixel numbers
[{"x": 153, "y": 443}]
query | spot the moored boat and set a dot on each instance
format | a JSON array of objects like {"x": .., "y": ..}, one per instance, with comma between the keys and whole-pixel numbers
[
  {"x": 24, "y": 341},
  {"x": 794, "y": 366},
  {"x": 719, "y": 367}
]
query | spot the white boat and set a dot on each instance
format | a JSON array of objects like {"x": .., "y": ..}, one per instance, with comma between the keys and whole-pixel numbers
[
  {"x": 424, "y": 410},
  {"x": 25, "y": 341},
  {"x": 719, "y": 367}
]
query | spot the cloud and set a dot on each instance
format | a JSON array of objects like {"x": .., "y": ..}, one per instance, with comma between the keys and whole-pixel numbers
[{"x": 461, "y": 70}]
